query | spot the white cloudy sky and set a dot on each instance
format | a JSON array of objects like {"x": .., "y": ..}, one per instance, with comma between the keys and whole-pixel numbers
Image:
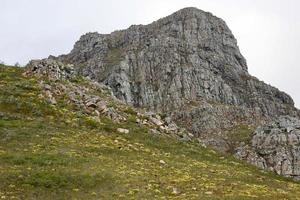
[{"x": 267, "y": 31}]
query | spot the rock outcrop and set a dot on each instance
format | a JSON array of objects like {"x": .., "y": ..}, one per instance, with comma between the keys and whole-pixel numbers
[
  {"x": 276, "y": 147},
  {"x": 51, "y": 69},
  {"x": 96, "y": 100},
  {"x": 187, "y": 65}
]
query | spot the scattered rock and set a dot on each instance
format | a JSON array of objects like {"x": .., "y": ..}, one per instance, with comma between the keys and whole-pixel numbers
[
  {"x": 122, "y": 130},
  {"x": 91, "y": 105},
  {"x": 47, "y": 87},
  {"x": 162, "y": 162},
  {"x": 156, "y": 121},
  {"x": 162, "y": 128},
  {"x": 172, "y": 127},
  {"x": 168, "y": 120},
  {"x": 102, "y": 107},
  {"x": 153, "y": 131},
  {"x": 52, "y": 101},
  {"x": 175, "y": 190},
  {"x": 97, "y": 113},
  {"x": 50, "y": 98}
]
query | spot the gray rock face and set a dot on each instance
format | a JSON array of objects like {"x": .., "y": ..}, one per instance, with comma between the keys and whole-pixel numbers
[
  {"x": 95, "y": 100},
  {"x": 275, "y": 146},
  {"x": 52, "y": 69},
  {"x": 188, "y": 65}
]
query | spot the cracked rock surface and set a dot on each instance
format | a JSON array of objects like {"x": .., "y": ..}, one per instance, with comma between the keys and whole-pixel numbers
[{"x": 276, "y": 147}]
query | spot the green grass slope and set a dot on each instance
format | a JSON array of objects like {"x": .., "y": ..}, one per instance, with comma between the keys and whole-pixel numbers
[{"x": 56, "y": 152}]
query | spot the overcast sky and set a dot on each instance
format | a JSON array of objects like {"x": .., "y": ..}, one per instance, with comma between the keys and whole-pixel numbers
[{"x": 268, "y": 31}]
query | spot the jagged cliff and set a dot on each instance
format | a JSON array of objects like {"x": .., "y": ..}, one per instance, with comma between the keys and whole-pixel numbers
[{"x": 187, "y": 65}]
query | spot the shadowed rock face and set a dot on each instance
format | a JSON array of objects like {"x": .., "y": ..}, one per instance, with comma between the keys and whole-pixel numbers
[{"x": 188, "y": 65}]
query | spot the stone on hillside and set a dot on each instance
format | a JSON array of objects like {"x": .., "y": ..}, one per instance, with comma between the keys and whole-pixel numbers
[
  {"x": 114, "y": 115},
  {"x": 156, "y": 121},
  {"x": 50, "y": 98},
  {"x": 102, "y": 107},
  {"x": 162, "y": 128},
  {"x": 185, "y": 137},
  {"x": 208, "y": 192},
  {"x": 168, "y": 120},
  {"x": 47, "y": 87},
  {"x": 91, "y": 104},
  {"x": 172, "y": 127},
  {"x": 154, "y": 131},
  {"x": 175, "y": 190},
  {"x": 52, "y": 101},
  {"x": 162, "y": 162},
  {"x": 123, "y": 130},
  {"x": 97, "y": 113}
]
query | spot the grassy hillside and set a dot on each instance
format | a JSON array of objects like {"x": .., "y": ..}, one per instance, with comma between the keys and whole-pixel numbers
[{"x": 58, "y": 152}]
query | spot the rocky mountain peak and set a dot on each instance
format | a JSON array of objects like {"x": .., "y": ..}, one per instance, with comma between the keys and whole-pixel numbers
[
  {"x": 190, "y": 28},
  {"x": 187, "y": 65}
]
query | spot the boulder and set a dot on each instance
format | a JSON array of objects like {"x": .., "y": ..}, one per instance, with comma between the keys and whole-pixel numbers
[{"x": 156, "y": 121}]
